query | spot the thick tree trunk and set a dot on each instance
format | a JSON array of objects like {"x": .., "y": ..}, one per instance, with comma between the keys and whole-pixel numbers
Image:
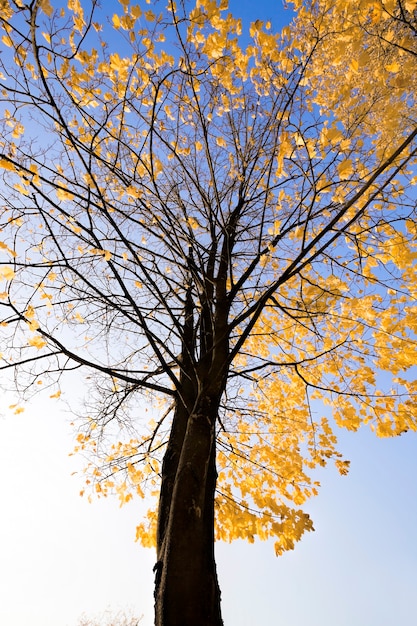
[{"x": 186, "y": 587}]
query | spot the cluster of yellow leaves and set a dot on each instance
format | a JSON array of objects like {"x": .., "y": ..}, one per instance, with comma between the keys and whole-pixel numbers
[
  {"x": 123, "y": 469},
  {"x": 368, "y": 49},
  {"x": 6, "y": 272},
  {"x": 265, "y": 463},
  {"x": 36, "y": 341},
  {"x": 331, "y": 345},
  {"x": 348, "y": 345},
  {"x": 16, "y": 409},
  {"x": 10, "y": 121}
]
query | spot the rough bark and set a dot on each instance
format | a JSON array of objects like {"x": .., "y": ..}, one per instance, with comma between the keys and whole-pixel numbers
[{"x": 187, "y": 591}]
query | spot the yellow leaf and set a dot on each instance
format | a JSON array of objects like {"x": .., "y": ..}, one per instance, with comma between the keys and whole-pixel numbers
[
  {"x": 393, "y": 67},
  {"x": 33, "y": 325},
  {"x": 221, "y": 141},
  {"x": 410, "y": 5},
  {"x": 6, "y": 164},
  {"x": 37, "y": 342},
  {"x": 30, "y": 312},
  {"x": 18, "y": 130},
  {"x": 354, "y": 65},
  {"x": 46, "y": 7},
  {"x": 168, "y": 112},
  {"x": 63, "y": 194},
  {"x": 55, "y": 395},
  {"x": 4, "y": 246},
  {"x": 6, "y": 272},
  {"x": 345, "y": 169},
  {"x": 7, "y": 41},
  {"x": 193, "y": 223}
]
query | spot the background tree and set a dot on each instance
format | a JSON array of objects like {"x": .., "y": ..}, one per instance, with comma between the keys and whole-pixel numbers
[
  {"x": 183, "y": 218},
  {"x": 110, "y": 618}
]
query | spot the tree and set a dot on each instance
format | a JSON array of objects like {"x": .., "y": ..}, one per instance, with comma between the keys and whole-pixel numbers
[
  {"x": 110, "y": 618},
  {"x": 184, "y": 219}
]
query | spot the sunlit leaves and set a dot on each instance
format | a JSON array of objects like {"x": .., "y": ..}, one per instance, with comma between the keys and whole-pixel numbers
[
  {"x": 6, "y": 272},
  {"x": 7, "y": 164},
  {"x": 16, "y": 409},
  {"x": 393, "y": 68},
  {"x": 46, "y": 7},
  {"x": 345, "y": 169},
  {"x": 7, "y": 41},
  {"x": 372, "y": 64},
  {"x": 37, "y": 342}
]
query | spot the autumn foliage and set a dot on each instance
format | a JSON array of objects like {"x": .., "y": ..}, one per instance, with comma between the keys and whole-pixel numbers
[{"x": 199, "y": 216}]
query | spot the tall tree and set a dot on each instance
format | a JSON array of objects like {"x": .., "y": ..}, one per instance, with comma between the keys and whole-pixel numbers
[{"x": 184, "y": 217}]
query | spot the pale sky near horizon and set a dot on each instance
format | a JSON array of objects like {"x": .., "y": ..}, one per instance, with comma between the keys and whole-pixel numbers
[{"x": 61, "y": 556}]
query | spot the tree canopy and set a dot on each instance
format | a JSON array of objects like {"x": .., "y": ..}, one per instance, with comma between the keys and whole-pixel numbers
[{"x": 220, "y": 221}]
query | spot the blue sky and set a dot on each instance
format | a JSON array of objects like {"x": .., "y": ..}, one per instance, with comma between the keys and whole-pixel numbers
[
  {"x": 273, "y": 10},
  {"x": 60, "y": 556}
]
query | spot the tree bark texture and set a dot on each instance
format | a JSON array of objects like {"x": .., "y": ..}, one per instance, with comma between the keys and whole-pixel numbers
[{"x": 186, "y": 586}]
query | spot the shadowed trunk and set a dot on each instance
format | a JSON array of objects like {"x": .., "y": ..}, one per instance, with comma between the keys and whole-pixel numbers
[{"x": 186, "y": 586}]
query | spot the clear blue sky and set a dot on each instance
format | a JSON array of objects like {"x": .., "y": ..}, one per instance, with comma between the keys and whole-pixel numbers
[{"x": 60, "y": 556}]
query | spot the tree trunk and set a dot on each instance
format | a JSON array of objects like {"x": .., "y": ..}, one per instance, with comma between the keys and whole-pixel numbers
[{"x": 186, "y": 587}]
